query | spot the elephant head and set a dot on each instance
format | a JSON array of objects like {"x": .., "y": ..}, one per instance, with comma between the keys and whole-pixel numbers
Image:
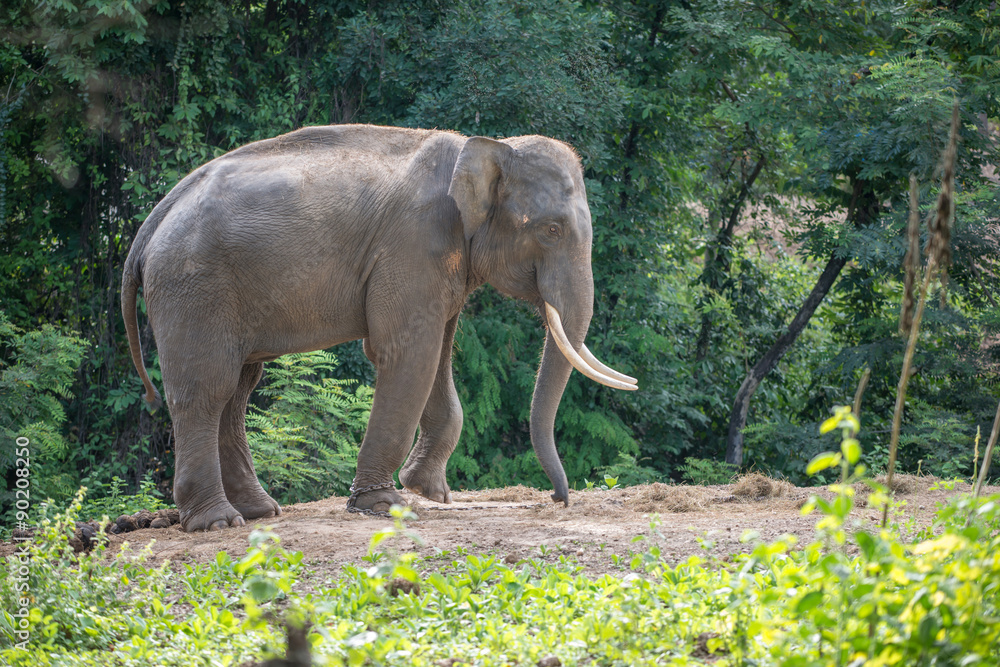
[{"x": 527, "y": 223}]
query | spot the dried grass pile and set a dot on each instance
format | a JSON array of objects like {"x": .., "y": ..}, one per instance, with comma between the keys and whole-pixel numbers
[
  {"x": 513, "y": 494},
  {"x": 659, "y": 497},
  {"x": 902, "y": 485},
  {"x": 755, "y": 486}
]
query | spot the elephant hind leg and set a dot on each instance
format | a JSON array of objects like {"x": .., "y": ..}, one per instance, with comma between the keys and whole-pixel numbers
[
  {"x": 239, "y": 478},
  {"x": 440, "y": 428},
  {"x": 366, "y": 345},
  {"x": 197, "y": 391}
]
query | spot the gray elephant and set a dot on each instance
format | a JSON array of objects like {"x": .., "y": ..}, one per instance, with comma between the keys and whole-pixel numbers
[{"x": 330, "y": 234}]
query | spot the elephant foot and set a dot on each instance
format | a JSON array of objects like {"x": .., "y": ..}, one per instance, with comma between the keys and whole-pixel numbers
[
  {"x": 219, "y": 516},
  {"x": 376, "y": 500},
  {"x": 255, "y": 506},
  {"x": 430, "y": 484}
]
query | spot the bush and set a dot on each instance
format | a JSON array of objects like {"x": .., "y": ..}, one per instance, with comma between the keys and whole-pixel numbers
[
  {"x": 36, "y": 371},
  {"x": 76, "y": 600},
  {"x": 111, "y": 501},
  {"x": 847, "y": 598},
  {"x": 707, "y": 472},
  {"x": 850, "y": 597},
  {"x": 305, "y": 442}
]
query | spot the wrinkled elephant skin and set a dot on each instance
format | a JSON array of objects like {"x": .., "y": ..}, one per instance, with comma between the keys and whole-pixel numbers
[{"x": 330, "y": 234}]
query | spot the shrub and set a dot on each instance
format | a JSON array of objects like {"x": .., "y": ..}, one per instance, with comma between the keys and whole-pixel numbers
[
  {"x": 110, "y": 501},
  {"x": 847, "y": 598},
  {"x": 305, "y": 442},
  {"x": 75, "y": 598},
  {"x": 706, "y": 472},
  {"x": 36, "y": 371}
]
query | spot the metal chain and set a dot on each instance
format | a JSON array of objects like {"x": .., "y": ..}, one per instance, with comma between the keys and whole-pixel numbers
[
  {"x": 352, "y": 500},
  {"x": 353, "y": 509}
]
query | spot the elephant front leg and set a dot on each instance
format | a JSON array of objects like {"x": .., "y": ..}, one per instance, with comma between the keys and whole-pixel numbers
[
  {"x": 239, "y": 478},
  {"x": 440, "y": 428},
  {"x": 406, "y": 362}
]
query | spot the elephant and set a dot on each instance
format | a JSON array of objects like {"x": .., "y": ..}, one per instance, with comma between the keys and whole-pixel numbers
[{"x": 336, "y": 233}]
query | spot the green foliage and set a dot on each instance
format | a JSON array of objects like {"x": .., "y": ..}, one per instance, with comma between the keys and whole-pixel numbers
[
  {"x": 104, "y": 106},
  {"x": 76, "y": 601},
  {"x": 849, "y": 597},
  {"x": 110, "y": 500},
  {"x": 706, "y": 472},
  {"x": 305, "y": 441},
  {"x": 947, "y": 396},
  {"x": 782, "y": 448},
  {"x": 628, "y": 471},
  {"x": 37, "y": 369}
]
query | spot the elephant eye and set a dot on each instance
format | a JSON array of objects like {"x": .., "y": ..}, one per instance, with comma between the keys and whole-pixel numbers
[{"x": 554, "y": 230}]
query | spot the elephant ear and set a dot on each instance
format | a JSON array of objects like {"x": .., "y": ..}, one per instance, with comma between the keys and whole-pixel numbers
[{"x": 474, "y": 182}]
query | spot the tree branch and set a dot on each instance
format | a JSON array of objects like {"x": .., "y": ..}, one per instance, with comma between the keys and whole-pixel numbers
[
  {"x": 741, "y": 198},
  {"x": 738, "y": 417},
  {"x": 860, "y": 211}
]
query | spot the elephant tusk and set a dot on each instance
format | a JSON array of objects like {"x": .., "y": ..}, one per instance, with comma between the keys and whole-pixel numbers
[
  {"x": 574, "y": 358},
  {"x": 594, "y": 363}
]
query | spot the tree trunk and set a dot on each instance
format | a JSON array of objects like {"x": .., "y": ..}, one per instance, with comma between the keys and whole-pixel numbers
[
  {"x": 738, "y": 417},
  {"x": 862, "y": 209}
]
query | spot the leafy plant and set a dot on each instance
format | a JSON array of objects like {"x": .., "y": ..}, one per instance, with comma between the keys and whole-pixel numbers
[
  {"x": 848, "y": 597},
  {"x": 110, "y": 499},
  {"x": 706, "y": 472},
  {"x": 627, "y": 471},
  {"x": 305, "y": 441},
  {"x": 722, "y": 145},
  {"x": 36, "y": 373},
  {"x": 74, "y": 597}
]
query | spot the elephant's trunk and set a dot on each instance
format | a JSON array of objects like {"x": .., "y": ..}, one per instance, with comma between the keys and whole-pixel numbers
[
  {"x": 552, "y": 376},
  {"x": 568, "y": 297}
]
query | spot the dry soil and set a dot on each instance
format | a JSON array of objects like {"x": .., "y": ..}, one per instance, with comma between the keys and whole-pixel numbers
[{"x": 518, "y": 522}]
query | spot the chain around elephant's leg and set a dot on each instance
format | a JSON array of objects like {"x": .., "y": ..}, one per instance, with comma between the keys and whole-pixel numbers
[
  {"x": 352, "y": 501},
  {"x": 407, "y": 360}
]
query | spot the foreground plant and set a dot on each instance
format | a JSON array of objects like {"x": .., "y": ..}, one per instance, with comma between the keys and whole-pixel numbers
[
  {"x": 88, "y": 600},
  {"x": 850, "y": 597}
]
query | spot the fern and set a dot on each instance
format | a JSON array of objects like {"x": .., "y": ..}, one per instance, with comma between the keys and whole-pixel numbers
[
  {"x": 305, "y": 441},
  {"x": 706, "y": 472},
  {"x": 37, "y": 369}
]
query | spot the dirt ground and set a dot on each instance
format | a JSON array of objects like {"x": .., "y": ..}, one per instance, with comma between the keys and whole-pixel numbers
[{"x": 517, "y": 522}]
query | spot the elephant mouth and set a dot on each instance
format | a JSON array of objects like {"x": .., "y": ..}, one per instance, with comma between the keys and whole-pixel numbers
[{"x": 584, "y": 360}]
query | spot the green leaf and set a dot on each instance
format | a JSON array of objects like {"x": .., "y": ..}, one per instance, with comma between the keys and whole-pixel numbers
[
  {"x": 823, "y": 461},
  {"x": 809, "y": 601},
  {"x": 851, "y": 449},
  {"x": 262, "y": 589},
  {"x": 866, "y": 543}
]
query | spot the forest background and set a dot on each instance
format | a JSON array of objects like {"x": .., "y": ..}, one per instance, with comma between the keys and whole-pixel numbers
[{"x": 746, "y": 165}]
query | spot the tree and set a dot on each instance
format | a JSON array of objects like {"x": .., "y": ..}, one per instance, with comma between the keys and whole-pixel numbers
[{"x": 863, "y": 90}]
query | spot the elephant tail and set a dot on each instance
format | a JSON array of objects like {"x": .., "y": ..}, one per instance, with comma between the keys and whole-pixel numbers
[
  {"x": 131, "y": 282},
  {"x": 132, "y": 275}
]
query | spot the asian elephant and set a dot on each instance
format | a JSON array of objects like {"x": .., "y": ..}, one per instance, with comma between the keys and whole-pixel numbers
[{"x": 330, "y": 234}]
